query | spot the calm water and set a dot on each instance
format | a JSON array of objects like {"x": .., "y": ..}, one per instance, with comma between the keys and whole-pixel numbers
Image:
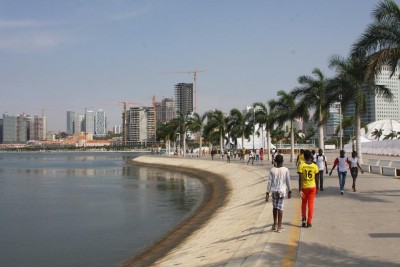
[{"x": 85, "y": 209}]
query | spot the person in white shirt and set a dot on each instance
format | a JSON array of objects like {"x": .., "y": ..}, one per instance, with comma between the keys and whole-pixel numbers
[
  {"x": 341, "y": 162},
  {"x": 279, "y": 186},
  {"x": 354, "y": 165},
  {"x": 320, "y": 160}
]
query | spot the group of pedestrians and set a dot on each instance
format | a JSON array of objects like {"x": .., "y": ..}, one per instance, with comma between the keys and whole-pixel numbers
[{"x": 311, "y": 169}]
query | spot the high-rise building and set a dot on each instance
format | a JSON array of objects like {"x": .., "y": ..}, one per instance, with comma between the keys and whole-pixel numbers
[
  {"x": 89, "y": 122},
  {"x": 183, "y": 98},
  {"x": 38, "y": 129},
  {"x": 100, "y": 123},
  {"x": 79, "y": 123},
  {"x": 70, "y": 122},
  {"x": 335, "y": 117},
  {"x": 141, "y": 126},
  {"x": 165, "y": 110},
  {"x": 23, "y": 128},
  {"x": 9, "y": 129},
  {"x": 378, "y": 108}
]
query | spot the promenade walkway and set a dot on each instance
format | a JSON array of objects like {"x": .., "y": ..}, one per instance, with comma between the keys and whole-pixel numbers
[{"x": 355, "y": 229}]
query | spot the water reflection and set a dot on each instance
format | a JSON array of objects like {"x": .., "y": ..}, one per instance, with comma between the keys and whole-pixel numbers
[{"x": 52, "y": 203}]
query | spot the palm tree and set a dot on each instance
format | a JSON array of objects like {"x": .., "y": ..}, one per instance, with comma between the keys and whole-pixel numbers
[
  {"x": 392, "y": 135},
  {"x": 380, "y": 42},
  {"x": 237, "y": 126},
  {"x": 286, "y": 109},
  {"x": 195, "y": 124},
  {"x": 350, "y": 84},
  {"x": 377, "y": 133},
  {"x": 277, "y": 135},
  {"x": 217, "y": 123},
  {"x": 313, "y": 92},
  {"x": 263, "y": 118},
  {"x": 165, "y": 133}
]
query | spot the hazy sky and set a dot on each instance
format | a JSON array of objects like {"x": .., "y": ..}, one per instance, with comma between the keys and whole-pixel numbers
[{"x": 67, "y": 55}]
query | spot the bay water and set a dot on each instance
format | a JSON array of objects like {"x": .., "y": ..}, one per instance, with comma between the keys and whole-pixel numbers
[{"x": 86, "y": 208}]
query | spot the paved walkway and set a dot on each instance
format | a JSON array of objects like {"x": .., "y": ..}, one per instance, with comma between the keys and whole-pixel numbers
[{"x": 357, "y": 228}]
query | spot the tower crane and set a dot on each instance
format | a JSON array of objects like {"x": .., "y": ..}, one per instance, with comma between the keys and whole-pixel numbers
[{"x": 194, "y": 83}]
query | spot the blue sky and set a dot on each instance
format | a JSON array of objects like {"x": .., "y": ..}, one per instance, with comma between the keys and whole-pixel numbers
[{"x": 67, "y": 55}]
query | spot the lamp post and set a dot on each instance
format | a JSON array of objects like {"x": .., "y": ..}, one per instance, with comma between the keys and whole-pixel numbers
[{"x": 254, "y": 124}]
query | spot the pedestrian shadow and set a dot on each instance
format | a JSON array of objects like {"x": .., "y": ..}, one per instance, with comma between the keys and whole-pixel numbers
[
  {"x": 362, "y": 196},
  {"x": 308, "y": 255}
]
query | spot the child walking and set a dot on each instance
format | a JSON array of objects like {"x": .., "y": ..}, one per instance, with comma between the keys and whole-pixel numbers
[{"x": 279, "y": 186}]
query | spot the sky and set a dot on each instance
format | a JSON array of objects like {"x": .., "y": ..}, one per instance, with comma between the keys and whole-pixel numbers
[{"x": 61, "y": 55}]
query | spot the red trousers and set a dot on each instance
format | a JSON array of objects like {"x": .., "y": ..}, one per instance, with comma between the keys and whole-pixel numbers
[{"x": 308, "y": 200}]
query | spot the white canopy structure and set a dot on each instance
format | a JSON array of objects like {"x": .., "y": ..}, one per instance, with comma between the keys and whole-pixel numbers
[
  {"x": 370, "y": 143},
  {"x": 387, "y": 127}
]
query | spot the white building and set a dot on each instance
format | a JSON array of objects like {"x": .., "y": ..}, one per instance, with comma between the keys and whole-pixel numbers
[{"x": 378, "y": 108}]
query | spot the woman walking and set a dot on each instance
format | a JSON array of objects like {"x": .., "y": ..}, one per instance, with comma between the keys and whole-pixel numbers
[{"x": 354, "y": 165}]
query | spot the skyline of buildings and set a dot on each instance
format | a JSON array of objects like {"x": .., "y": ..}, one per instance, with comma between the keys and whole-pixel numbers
[{"x": 22, "y": 128}]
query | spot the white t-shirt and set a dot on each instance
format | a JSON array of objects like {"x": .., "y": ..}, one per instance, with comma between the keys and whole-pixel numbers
[
  {"x": 353, "y": 162},
  {"x": 279, "y": 180},
  {"x": 320, "y": 160}
]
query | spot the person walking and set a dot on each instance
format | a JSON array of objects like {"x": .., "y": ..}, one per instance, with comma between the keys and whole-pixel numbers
[
  {"x": 308, "y": 188},
  {"x": 320, "y": 160},
  {"x": 251, "y": 157},
  {"x": 354, "y": 165},
  {"x": 341, "y": 162},
  {"x": 279, "y": 187},
  {"x": 300, "y": 157}
]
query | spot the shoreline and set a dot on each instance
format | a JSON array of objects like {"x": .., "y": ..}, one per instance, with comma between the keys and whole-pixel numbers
[
  {"x": 238, "y": 233},
  {"x": 217, "y": 193}
]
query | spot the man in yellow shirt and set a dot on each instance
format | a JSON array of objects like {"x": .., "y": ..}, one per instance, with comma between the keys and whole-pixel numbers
[{"x": 308, "y": 187}]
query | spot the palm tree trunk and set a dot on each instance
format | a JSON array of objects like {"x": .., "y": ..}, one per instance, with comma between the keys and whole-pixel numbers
[
  {"x": 268, "y": 144},
  {"x": 291, "y": 141},
  {"x": 321, "y": 136},
  {"x": 321, "y": 130},
  {"x": 200, "y": 143},
  {"x": 221, "y": 142},
  {"x": 184, "y": 144},
  {"x": 358, "y": 135}
]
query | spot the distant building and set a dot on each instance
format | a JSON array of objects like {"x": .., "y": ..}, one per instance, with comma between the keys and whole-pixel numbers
[
  {"x": 141, "y": 126},
  {"x": 9, "y": 129},
  {"x": 38, "y": 128},
  {"x": 89, "y": 122},
  {"x": 377, "y": 107},
  {"x": 70, "y": 122},
  {"x": 165, "y": 110},
  {"x": 117, "y": 129},
  {"x": 79, "y": 123},
  {"x": 335, "y": 117},
  {"x": 100, "y": 124},
  {"x": 183, "y": 98},
  {"x": 380, "y": 109}
]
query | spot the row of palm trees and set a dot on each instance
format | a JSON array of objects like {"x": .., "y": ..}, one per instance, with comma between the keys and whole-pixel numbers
[{"x": 352, "y": 84}]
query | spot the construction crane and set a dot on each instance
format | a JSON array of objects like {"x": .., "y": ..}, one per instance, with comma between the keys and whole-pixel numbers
[
  {"x": 125, "y": 104},
  {"x": 194, "y": 83}
]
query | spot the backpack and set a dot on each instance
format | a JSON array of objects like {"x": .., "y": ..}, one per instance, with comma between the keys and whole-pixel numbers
[{"x": 316, "y": 158}]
